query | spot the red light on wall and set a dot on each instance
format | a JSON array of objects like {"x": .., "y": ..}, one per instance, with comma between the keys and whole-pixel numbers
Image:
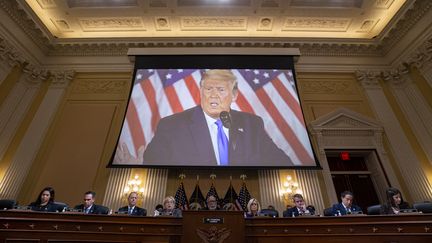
[{"x": 344, "y": 156}]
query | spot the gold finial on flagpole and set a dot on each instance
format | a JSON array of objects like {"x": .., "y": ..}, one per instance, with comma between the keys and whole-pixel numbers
[
  {"x": 212, "y": 176},
  {"x": 243, "y": 176},
  {"x": 182, "y": 176}
]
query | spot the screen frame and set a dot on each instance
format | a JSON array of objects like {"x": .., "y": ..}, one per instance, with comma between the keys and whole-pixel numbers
[{"x": 213, "y": 61}]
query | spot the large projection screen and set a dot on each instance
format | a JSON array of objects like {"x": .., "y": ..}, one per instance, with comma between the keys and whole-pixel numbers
[{"x": 168, "y": 121}]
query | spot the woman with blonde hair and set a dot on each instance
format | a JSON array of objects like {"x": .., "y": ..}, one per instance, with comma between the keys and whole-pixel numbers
[
  {"x": 253, "y": 208},
  {"x": 169, "y": 208}
]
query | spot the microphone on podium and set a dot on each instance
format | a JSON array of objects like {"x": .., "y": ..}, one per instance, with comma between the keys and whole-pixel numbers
[{"x": 226, "y": 119}]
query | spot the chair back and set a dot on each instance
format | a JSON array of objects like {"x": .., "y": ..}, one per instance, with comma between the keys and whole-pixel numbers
[
  {"x": 425, "y": 207},
  {"x": 269, "y": 213},
  {"x": 104, "y": 210},
  {"x": 374, "y": 210},
  {"x": 328, "y": 212},
  {"x": 7, "y": 204},
  {"x": 60, "y": 206}
]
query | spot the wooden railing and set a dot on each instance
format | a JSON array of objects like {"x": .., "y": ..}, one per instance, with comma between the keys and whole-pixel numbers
[{"x": 205, "y": 226}]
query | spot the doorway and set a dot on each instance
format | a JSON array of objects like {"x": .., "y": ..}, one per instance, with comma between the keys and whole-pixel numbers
[{"x": 353, "y": 174}]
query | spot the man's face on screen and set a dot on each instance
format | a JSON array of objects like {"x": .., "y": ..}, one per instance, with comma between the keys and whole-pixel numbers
[{"x": 216, "y": 96}]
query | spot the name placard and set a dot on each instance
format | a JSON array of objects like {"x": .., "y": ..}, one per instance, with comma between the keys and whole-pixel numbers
[{"x": 213, "y": 220}]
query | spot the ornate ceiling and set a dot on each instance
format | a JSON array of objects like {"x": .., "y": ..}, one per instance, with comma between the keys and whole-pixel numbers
[
  {"x": 316, "y": 27},
  {"x": 350, "y": 19}
]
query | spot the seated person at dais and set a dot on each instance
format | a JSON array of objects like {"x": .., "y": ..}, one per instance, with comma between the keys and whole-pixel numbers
[
  {"x": 229, "y": 207},
  {"x": 132, "y": 208},
  {"x": 253, "y": 208},
  {"x": 158, "y": 210},
  {"x": 169, "y": 208},
  {"x": 394, "y": 202},
  {"x": 88, "y": 207},
  {"x": 45, "y": 201},
  {"x": 300, "y": 208},
  {"x": 195, "y": 206},
  {"x": 212, "y": 203},
  {"x": 346, "y": 206}
]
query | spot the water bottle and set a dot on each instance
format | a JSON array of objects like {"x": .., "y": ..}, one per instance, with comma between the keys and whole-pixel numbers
[
  {"x": 293, "y": 215},
  {"x": 339, "y": 213}
]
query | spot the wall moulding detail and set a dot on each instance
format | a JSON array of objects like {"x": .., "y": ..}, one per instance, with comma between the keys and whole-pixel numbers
[
  {"x": 328, "y": 87},
  {"x": 100, "y": 87}
]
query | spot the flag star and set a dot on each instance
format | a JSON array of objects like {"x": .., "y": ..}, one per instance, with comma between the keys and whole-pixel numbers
[
  {"x": 150, "y": 70},
  {"x": 168, "y": 76},
  {"x": 274, "y": 70},
  {"x": 256, "y": 81},
  {"x": 256, "y": 71},
  {"x": 290, "y": 74},
  {"x": 139, "y": 76},
  {"x": 179, "y": 70},
  {"x": 247, "y": 70},
  {"x": 266, "y": 75}
]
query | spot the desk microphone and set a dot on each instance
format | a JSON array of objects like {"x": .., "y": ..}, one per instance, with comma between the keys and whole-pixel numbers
[{"x": 226, "y": 119}]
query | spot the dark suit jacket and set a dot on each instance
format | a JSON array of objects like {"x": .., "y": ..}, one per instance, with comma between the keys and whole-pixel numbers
[
  {"x": 339, "y": 207},
  {"x": 184, "y": 139},
  {"x": 137, "y": 211},
  {"x": 174, "y": 213},
  {"x": 50, "y": 207},
  {"x": 294, "y": 210},
  {"x": 386, "y": 209},
  {"x": 95, "y": 209}
]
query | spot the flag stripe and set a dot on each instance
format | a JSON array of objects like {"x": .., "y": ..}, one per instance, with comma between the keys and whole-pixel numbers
[
  {"x": 289, "y": 100},
  {"x": 134, "y": 126},
  {"x": 173, "y": 99},
  {"x": 193, "y": 89},
  {"x": 283, "y": 126},
  {"x": 243, "y": 104},
  {"x": 150, "y": 94}
]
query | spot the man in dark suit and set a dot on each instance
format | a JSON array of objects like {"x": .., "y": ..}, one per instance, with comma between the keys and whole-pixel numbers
[
  {"x": 300, "y": 208},
  {"x": 196, "y": 136},
  {"x": 131, "y": 208},
  {"x": 88, "y": 207},
  {"x": 346, "y": 206},
  {"x": 212, "y": 203}
]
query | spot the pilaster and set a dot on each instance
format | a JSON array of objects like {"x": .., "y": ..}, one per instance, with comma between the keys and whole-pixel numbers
[
  {"x": 270, "y": 188},
  {"x": 31, "y": 132},
  {"x": 406, "y": 159}
]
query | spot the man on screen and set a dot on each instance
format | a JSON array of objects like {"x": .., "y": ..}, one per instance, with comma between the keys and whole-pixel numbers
[{"x": 197, "y": 136}]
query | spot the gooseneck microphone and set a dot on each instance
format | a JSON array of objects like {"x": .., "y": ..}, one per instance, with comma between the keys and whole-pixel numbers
[{"x": 226, "y": 119}]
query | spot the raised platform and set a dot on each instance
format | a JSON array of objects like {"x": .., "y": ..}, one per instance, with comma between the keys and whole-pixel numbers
[{"x": 205, "y": 226}]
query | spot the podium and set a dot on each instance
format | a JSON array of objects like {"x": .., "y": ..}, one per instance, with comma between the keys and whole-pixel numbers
[{"x": 213, "y": 226}]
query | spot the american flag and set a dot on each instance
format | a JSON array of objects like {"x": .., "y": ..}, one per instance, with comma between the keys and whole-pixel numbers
[
  {"x": 270, "y": 94},
  {"x": 244, "y": 196},
  {"x": 197, "y": 196},
  {"x": 212, "y": 192},
  {"x": 232, "y": 197},
  {"x": 181, "y": 198}
]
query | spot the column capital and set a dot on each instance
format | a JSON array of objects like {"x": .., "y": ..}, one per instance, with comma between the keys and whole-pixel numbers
[
  {"x": 61, "y": 78},
  {"x": 9, "y": 54},
  {"x": 34, "y": 75},
  {"x": 369, "y": 79},
  {"x": 398, "y": 77},
  {"x": 422, "y": 55}
]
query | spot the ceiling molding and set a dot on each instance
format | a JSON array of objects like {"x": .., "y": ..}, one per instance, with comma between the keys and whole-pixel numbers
[{"x": 308, "y": 47}]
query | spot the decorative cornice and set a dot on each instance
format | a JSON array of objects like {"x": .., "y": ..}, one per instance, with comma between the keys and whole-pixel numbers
[
  {"x": 119, "y": 47},
  {"x": 20, "y": 17},
  {"x": 307, "y": 49},
  {"x": 401, "y": 28}
]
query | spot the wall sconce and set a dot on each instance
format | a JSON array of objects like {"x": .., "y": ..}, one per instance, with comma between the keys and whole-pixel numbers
[
  {"x": 134, "y": 185},
  {"x": 290, "y": 188}
]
